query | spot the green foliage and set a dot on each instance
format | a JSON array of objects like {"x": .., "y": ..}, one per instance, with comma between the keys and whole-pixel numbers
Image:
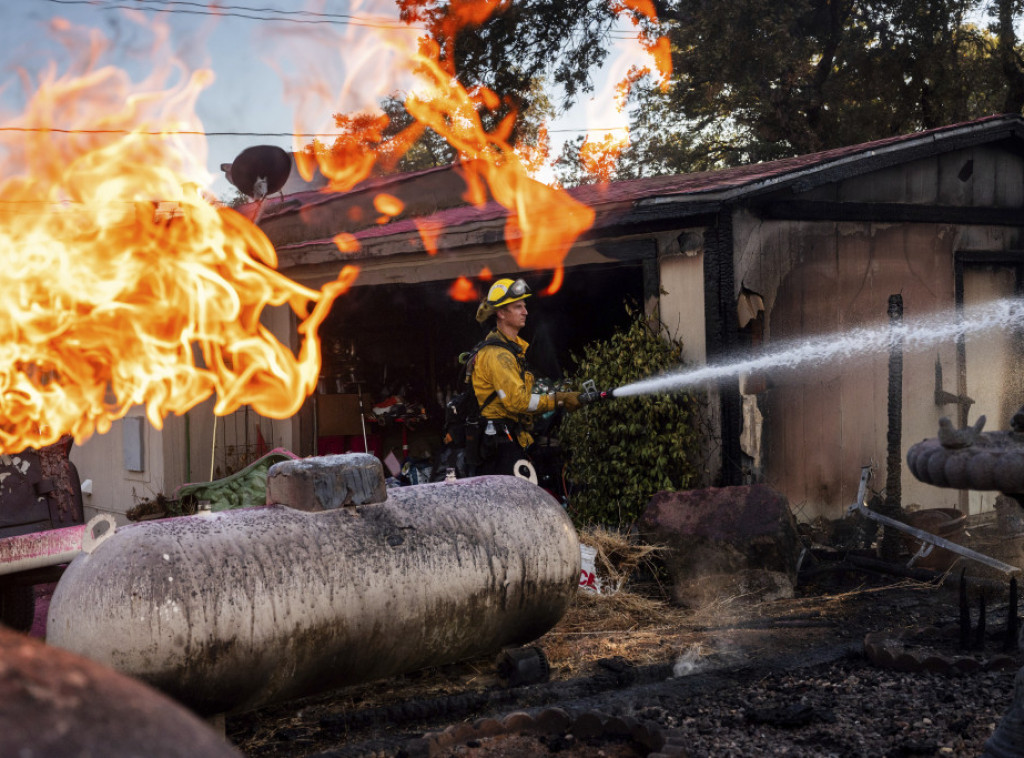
[
  {"x": 814, "y": 75},
  {"x": 622, "y": 451},
  {"x": 385, "y": 135},
  {"x": 563, "y": 42}
]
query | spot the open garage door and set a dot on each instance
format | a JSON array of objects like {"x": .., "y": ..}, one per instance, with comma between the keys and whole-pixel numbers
[{"x": 387, "y": 344}]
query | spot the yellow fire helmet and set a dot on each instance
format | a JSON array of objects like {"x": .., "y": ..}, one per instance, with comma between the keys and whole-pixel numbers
[{"x": 502, "y": 292}]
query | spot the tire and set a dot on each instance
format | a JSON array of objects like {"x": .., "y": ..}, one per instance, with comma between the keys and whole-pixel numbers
[{"x": 17, "y": 607}]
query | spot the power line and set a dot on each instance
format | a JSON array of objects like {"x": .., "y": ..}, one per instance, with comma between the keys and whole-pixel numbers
[
  {"x": 246, "y": 12},
  {"x": 163, "y": 133},
  {"x": 198, "y": 133}
]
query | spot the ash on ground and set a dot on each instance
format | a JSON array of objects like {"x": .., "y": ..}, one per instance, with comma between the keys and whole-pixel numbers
[{"x": 633, "y": 675}]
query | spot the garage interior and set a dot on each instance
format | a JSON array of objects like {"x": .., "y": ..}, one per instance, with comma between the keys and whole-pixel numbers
[{"x": 397, "y": 346}]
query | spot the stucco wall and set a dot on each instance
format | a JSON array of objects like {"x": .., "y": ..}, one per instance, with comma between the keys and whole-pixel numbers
[
  {"x": 101, "y": 461},
  {"x": 823, "y": 279},
  {"x": 682, "y": 303},
  {"x": 183, "y": 450}
]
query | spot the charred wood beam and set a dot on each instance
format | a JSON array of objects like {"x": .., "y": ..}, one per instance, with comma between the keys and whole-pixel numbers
[
  {"x": 628, "y": 250},
  {"x": 904, "y": 151},
  {"x": 722, "y": 339},
  {"x": 893, "y": 495},
  {"x": 946, "y": 579},
  {"x": 652, "y": 217},
  {"x": 889, "y": 213},
  {"x": 1011, "y": 640}
]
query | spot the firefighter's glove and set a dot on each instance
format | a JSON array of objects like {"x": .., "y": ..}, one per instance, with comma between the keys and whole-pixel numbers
[{"x": 570, "y": 401}]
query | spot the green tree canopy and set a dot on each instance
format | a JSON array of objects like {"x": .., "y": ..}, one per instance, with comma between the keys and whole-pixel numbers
[
  {"x": 757, "y": 80},
  {"x": 752, "y": 80},
  {"x": 392, "y": 135}
]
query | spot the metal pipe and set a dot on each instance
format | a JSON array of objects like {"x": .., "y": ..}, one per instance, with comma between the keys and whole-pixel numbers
[
  {"x": 25, "y": 552},
  {"x": 362, "y": 417},
  {"x": 213, "y": 447},
  {"x": 241, "y": 608},
  {"x": 921, "y": 534}
]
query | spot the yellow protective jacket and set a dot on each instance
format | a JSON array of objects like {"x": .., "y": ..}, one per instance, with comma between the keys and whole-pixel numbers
[{"x": 497, "y": 369}]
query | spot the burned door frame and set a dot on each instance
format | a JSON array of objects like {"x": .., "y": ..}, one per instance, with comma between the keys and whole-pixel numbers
[
  {"x": 963, "y": 260},
  {"x": 722, "y": 338}
]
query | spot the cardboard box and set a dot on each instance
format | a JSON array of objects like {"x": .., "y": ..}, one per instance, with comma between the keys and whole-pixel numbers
[{"x": 339, "y": 414}]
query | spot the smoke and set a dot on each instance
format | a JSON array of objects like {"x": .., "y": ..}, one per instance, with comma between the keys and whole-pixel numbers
[{"x": 690, "y": 662}]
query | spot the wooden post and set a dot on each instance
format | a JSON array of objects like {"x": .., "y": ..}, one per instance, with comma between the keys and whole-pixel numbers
[{"x": 894, "y": 436}]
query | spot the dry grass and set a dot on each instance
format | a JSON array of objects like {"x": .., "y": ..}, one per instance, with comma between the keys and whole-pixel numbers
[
  {"x": 618, "y": 558},
  {"x": 642, "y": 629},
  {"x": 632, "y": 621}
]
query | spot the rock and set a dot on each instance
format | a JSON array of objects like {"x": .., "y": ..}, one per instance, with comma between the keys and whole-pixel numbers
[
  {"x": 725, "y": 542},
  {"x": 57, "y": 703},
  {"x": 1009, "y": 516}
]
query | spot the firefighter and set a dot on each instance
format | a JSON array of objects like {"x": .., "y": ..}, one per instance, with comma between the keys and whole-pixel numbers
[{"x": 500, "y": 375}]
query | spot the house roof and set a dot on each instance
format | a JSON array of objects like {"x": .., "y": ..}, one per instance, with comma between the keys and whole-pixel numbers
[
  {"x": 759, "y": 176},
  {"x": 640, "y": 200}
]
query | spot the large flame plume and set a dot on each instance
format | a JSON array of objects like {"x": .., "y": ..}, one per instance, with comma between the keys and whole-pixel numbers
[
  {"x": 543, "y": 222},
  {"x": 122, "y": 284},
  {"x": 600, "y": 151},
  {"x": 125, "y": 286}
]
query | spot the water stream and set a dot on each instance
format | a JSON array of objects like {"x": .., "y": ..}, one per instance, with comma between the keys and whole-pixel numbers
[{"x": 817, "y": 351}]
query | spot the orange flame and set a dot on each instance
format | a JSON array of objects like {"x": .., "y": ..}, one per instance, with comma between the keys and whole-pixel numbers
[
  {"x": 121, "y": 289},
  {"x": 429, "y": 233},
  {"x": 659, "y": 48},
  {"x": 388, "y": 206},
  {"x": 556, "y": 282},
  {"x": 543, "y": 222},
  {"x": 114, "y": 297},
  {"x": 463, "y": 290},
  {"x": 599, "y": 158},
  {"x": 346, "y": 243}
]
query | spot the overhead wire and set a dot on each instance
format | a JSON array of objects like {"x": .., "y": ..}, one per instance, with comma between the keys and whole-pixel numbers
[
  {"x": 200, "y": 133},
  {"x": 250, "y": 13},
  {"x": 254, "y": 14},
  {"x": 342, "y": 19}
]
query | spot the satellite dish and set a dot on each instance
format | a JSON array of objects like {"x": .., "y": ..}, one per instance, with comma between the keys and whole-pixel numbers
[{"x": 259, "y": 171}]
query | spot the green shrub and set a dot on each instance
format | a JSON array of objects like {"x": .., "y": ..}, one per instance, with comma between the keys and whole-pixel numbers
[{"x": 621, "y": 451}]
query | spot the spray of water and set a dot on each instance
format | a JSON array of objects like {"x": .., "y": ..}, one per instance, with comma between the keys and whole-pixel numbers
[{"x": 999, "y": 314}]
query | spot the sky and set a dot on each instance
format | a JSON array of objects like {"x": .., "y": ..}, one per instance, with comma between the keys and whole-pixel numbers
[{"x": 278, "y": 67}]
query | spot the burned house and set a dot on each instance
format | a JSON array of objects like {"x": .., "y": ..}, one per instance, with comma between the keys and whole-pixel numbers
[{"x": 735, "y": 262}]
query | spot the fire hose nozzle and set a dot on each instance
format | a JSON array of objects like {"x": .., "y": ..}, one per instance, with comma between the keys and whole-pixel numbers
[{"x": 591, "y": 394}]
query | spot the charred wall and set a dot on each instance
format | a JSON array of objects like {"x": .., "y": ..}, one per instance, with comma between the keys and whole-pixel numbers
[{"x": 827, "y": 276}]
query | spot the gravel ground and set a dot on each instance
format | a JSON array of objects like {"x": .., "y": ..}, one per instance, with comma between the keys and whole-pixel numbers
[
  {"x": 848, "y": 708},
  {"x": 786, "y": 678}
]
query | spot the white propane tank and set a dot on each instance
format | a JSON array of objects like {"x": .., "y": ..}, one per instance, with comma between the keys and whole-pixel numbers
[{"x": 241, "y": 608}]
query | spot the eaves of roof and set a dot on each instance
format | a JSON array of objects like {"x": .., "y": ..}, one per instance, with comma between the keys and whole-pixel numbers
[
  {"x": 804, "y": 172},
  {"x": 642, "y": 202}
]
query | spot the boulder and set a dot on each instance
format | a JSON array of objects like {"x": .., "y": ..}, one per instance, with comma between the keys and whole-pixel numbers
[{"x": 725, "y": 542}]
